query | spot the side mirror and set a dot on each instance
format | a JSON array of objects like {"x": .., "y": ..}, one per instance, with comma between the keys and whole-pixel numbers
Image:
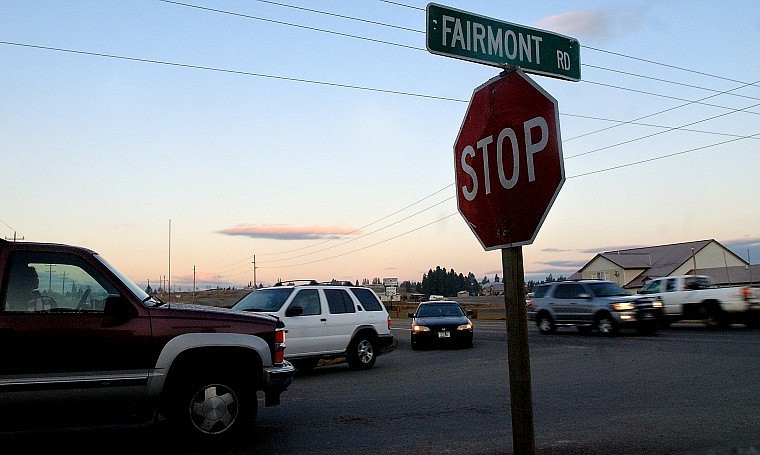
[
  {"x": 294, "y": 311},
  {"x": 469, "y": 312},
  {"x": 411, "y": 315},
  {"x": 119, "y": 308}
]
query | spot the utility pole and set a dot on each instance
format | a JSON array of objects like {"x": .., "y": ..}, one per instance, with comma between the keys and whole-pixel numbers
[
  {"x": 50, "y": 277},
  {"x": 254, "y": 271},
  {"x": 193, "y": 284},
  {"x": 14, "y": 239},
  {"x": 63, "y": 284},
  {"x": 169, "y": 295}
]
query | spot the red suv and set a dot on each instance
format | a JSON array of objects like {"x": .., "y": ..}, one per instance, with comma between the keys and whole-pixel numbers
[{"x": 82, "y": 343}]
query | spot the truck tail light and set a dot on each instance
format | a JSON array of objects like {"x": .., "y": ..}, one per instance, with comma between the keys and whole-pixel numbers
[
  {"x": 747, "y": 293},
  {"x": 279, "y": 345}
]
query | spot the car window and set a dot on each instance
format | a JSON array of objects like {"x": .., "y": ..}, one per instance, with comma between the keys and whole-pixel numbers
[
  {"x": 48, "y": 282},
  {"x": 431, "y": 311},
  {"x": 338, "y": 301},
  {"x": 368, "y": 299},
  {"x": 540, "y": 291},
  {"x": 569, "y": 291},
  {"x": 652, "y": 287},
  {"x": 607, "y": 289},
  {"x": 670, "y": 285},
  {"x": 308, "y": 299},
  {"x": 263, "y": 299}
]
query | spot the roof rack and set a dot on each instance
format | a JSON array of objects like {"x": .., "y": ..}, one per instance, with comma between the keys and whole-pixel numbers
[
  {"x": 295, "y": 282},
  {"x": 313, "y": 283},
  {"x": 337, "y": 283}
]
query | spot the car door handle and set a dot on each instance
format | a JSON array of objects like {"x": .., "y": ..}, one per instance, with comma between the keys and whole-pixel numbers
[{"x": 323, "y": 319}]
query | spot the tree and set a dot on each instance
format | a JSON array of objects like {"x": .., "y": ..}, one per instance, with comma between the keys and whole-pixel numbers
[{"x": 447, "y": 282}]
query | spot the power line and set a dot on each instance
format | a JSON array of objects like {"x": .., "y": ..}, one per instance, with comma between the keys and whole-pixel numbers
[{"x": 661, "y": 132}]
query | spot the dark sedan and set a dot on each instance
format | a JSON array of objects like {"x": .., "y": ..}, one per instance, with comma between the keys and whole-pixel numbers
[{"x": 441, "y": 322}]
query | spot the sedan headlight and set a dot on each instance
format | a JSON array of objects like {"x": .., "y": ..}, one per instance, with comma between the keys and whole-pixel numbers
[
  {"x": 657, "y": 304},
  {"x": 623, "y": 306},
  {"x": 420, "y": 328},
  {"x": 467, "y": 326}
]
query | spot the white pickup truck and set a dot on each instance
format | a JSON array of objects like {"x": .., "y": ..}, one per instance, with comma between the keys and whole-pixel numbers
[{"x": 689, "y": 297}]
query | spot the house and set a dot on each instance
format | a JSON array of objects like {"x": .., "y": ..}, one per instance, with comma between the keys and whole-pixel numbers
[
  {"x": 492, "y": 289},
  {"x": 633, "y": 268}
]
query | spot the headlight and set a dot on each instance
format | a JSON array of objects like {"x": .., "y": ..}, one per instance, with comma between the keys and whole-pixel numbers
[
  {"x": 657, "y": 304},
  {"x": 467, "y": 326},
  {"x": 623, "y": 306},
  {"x": 420, "y": 328}
]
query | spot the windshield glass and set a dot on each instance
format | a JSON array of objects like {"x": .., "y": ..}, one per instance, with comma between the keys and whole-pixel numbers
[
  {"x": 438, "y": 310},
  {"x": 263, "y": 299},
  {"x": 607, "y": 289},
  {"x": 136, "y": 290}
]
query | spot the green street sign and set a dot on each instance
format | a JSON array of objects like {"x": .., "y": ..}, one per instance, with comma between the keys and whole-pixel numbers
[{"x": 466, "y": 36}]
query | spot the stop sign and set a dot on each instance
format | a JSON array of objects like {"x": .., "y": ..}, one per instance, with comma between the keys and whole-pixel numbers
[{"x": 508, "y": 160}]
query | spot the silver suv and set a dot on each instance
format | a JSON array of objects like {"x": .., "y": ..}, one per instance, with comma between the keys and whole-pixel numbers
[
  {"x": 591, "y": 304},
  {"x": 326, "y": 321}
]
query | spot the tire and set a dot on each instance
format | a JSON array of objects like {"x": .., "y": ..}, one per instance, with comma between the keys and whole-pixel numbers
[
  {"x": 415, "y": 344},
  {"x": 214, "y": 408},
  {"x": 715, "y": 317},
  {"x": 545, "y": 324},
  {"x": 647, "y": 328},
  {"x": 605, "y": 325},
  {"x": 361, "y": 353}
]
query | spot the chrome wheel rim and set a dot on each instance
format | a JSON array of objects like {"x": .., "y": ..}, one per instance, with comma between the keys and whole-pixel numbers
[
  {"x": 605, "y": 325},
  {"x": 214, "y": 409},
  {"x": 365, "y": 351}
]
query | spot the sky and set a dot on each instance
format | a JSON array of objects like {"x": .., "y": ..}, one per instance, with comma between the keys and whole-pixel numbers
[{"x": 181, "y": 139}]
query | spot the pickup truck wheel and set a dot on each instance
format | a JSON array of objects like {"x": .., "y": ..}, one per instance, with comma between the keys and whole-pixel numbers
[
  {"x": 606, "y": 325},
  {"x": 715, "y": 318},
  {"x": 361, "y": 353},
  {"x": 545, "y": 324},
  {"x": 213, "y": 409}
]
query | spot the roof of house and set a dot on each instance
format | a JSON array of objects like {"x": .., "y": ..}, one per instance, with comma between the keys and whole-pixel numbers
[
  {"x": 655, "y": 261},
  {"x": 733, "y": 275}
]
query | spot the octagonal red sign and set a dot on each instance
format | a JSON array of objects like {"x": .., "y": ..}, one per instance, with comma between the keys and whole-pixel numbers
[{"x": 508, "y": 160}]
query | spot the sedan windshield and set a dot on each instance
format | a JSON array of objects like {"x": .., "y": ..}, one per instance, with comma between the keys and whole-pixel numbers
[
  {"x": 263, "y": 300},
  {"x": 438, "y": 310},
  {"x": 607, "y": 289}
]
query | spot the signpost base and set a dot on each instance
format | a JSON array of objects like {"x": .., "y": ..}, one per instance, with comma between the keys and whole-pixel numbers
[{"x": 520, "y": 389}]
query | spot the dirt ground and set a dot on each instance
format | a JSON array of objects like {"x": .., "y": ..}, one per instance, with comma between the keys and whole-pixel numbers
[{"x": 483, "y": 307}]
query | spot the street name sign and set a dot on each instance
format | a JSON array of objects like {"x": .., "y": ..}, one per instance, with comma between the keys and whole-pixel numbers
[
  {"x": 467, "y": 36},
  {"x": 508, "y": 160}
]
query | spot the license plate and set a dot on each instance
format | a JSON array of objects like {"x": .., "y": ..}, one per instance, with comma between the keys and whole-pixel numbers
[{"x": 444, "y": 335}]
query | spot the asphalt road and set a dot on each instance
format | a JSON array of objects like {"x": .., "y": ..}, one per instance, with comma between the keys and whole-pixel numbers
[{"x": 684, "y": 391}]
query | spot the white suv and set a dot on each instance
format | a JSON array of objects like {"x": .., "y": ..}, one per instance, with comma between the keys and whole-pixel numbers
[{"x": 325, "y": 320}]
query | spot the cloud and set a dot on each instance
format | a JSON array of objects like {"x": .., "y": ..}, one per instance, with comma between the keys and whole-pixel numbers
[
  {"x": 598, "y": 24},
  {"x": 282, "y": 232},
  {"x": 604, "y": 249},
  {"x": 595, "y": 24},
  {"x": 565, "y": 264},
  {"x": 747, "y": 248}
]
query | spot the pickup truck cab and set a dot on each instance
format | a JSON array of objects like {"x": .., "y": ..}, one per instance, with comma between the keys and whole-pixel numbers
[
  {"x": 81, "y": 345},
  {"x": 695, "y": 297}
]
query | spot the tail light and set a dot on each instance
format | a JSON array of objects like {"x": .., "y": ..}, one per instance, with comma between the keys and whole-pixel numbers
[
  {"x": 279, "y": 345},
  {"x": 389, "y": 322}
]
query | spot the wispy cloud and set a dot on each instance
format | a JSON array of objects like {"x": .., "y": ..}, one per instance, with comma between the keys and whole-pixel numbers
[
  {"x": 598, "y": 24},
  {"x": 283, "y": 232}
]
